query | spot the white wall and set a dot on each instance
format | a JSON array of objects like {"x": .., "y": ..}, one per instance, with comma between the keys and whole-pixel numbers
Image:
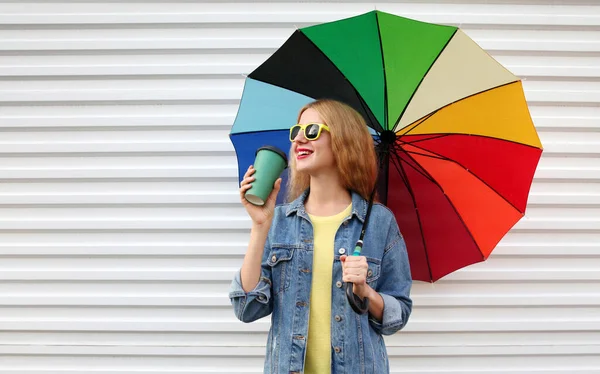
[{"x": 120, "y": 226}]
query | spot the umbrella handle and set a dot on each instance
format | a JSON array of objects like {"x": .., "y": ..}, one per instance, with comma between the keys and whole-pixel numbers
[{"x": 358, "y": 305}]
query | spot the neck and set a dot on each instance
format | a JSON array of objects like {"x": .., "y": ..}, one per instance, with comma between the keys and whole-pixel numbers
[{"x": 327, "y": 196}]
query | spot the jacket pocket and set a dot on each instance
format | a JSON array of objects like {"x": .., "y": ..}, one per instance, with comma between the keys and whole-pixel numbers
[
  {"x": 374, "y": 271},
  {"x": 280, "y": 260}
]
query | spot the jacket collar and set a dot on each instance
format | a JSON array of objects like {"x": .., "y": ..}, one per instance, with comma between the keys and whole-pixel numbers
[{"x": 359, "y": 206}]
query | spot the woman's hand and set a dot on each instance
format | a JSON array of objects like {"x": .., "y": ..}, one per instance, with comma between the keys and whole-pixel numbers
[
  {"x": 355, "y": 270},
  {"x": 260, "y": 215}
]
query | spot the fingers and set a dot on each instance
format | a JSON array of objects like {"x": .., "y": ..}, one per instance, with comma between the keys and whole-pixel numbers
[
  {"x": 355, "y": 269},
  {"x": 245, "y": 188},
  {"x": 250, "y": 171},
  {"x": 273, "y": 196},
  {"x": 356, "y": 261},
  {"x": 248, "y": 176},
  {"x": 246, "y": 183},
  {"x": 356, "y": 279}
]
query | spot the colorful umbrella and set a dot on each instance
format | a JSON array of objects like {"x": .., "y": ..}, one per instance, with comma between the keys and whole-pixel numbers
[{"x": 458, "y": 146}]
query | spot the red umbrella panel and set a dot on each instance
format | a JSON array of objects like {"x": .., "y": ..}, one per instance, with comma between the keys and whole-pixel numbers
[{"x": 459, "y": 179}]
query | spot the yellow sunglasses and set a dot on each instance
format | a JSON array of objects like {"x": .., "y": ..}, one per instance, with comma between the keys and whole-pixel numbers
[{"x": 312, "y": 131}]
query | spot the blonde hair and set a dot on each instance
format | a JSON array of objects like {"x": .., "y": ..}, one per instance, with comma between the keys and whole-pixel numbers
[{"x": 352, "y": 145}]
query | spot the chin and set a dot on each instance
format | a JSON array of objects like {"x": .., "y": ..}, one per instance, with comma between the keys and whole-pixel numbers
[
  {"x": 303, "y": 170},
  {"x": 310, "y": 168}
]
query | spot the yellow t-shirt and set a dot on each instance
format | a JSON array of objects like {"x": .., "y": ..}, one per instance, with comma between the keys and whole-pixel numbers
[{"x": 318, "y": 345}]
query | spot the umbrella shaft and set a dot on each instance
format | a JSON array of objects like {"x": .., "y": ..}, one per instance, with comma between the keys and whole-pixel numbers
[{"x": 358, "y": 248}]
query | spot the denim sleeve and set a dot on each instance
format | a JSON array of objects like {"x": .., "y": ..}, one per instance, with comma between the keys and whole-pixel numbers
[
  {"x": 257, "y": 303},
  {"x": 394, "y": 285}
]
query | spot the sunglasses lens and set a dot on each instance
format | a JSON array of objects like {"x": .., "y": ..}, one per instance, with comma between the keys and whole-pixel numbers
[
  {"x": 294, "y": 132},
  {"x": 311, "y": 132}
]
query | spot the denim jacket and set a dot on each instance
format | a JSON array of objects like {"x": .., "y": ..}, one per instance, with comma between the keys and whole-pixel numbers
[{"x": 284, "y": 288}]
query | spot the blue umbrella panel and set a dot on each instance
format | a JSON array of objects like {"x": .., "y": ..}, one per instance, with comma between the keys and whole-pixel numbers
[{"x": 264, "y": 117}]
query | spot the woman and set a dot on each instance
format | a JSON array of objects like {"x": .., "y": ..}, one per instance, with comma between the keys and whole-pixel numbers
[{"x": 297, "y": 258}]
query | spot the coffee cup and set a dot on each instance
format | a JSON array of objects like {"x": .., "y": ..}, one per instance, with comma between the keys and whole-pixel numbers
[{"x": 269, "y": 163}]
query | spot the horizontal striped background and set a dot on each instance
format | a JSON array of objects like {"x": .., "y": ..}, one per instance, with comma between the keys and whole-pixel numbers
[{"x": 120, "y": 227}]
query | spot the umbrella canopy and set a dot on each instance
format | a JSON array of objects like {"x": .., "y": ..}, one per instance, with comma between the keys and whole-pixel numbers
[{"x": 458, "y": 146}]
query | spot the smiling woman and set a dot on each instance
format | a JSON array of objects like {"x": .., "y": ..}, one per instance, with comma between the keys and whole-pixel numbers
[
  {"x": 347, "y": 143},
  {"x": 296, "y": 261}
]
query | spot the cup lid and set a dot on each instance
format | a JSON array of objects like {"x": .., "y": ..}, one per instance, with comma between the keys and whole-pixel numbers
[{"x": 276, "y": 150}]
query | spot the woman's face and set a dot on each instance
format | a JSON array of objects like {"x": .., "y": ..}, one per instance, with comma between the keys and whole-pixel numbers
[{"x": 316, "y": 156}]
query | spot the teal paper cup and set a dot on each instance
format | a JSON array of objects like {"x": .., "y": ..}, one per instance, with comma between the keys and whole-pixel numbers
[{"x": 269, "y": 163}]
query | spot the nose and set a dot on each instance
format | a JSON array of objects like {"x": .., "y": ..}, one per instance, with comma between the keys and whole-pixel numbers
[{"x": 300, "y": 137}]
